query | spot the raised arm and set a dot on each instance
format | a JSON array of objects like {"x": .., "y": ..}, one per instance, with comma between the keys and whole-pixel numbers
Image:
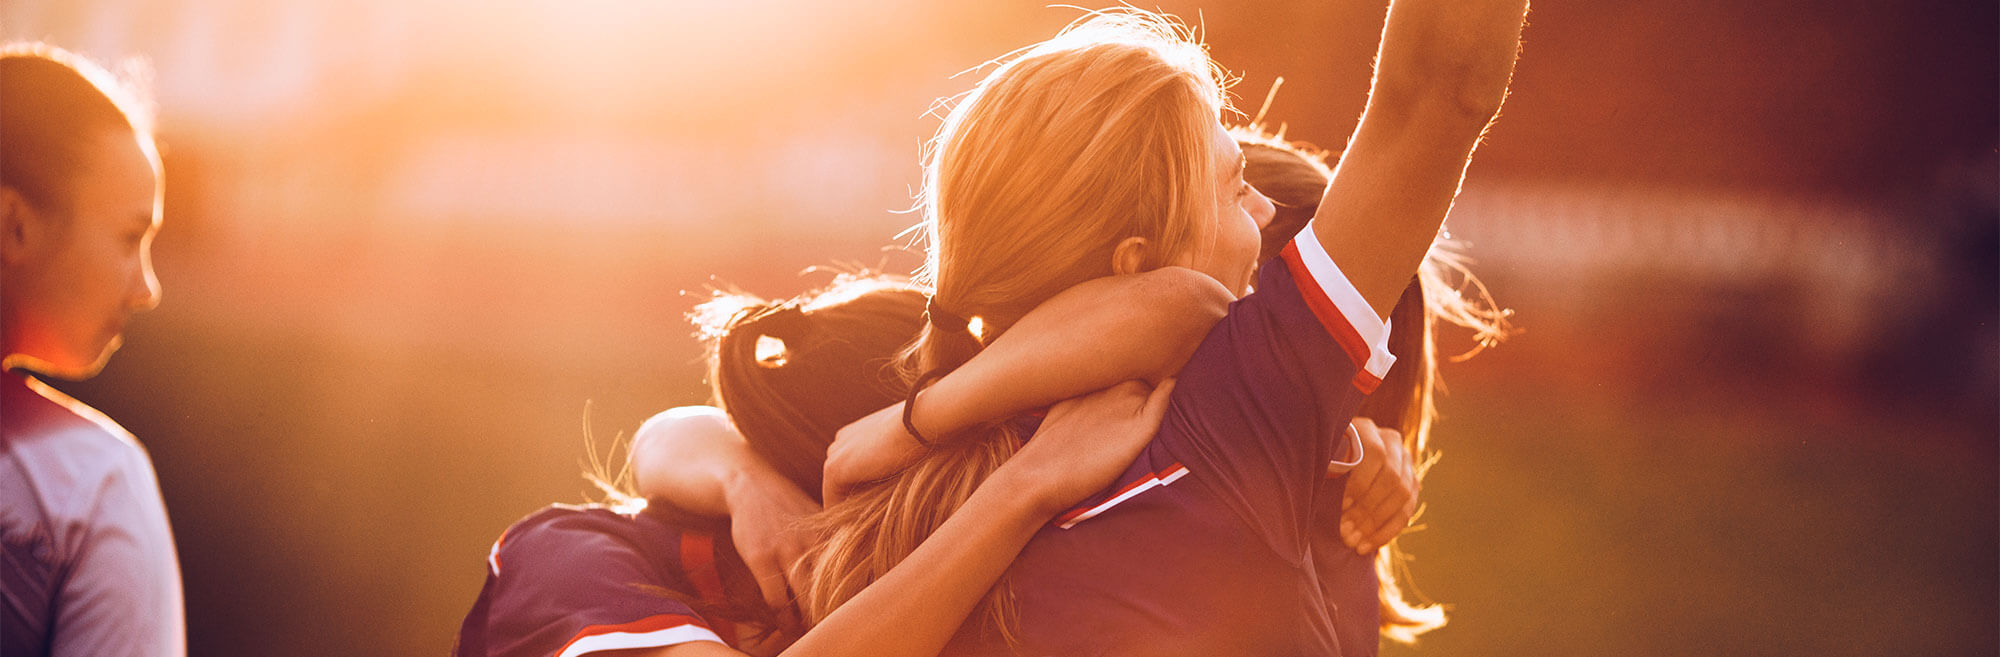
[{"x": 1440, "y": 76}]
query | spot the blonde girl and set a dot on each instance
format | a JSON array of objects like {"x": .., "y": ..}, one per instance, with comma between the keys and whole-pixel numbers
[{"x": 1101, "y": 152}]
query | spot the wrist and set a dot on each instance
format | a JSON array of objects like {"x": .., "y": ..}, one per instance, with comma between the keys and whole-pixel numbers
[
  {"x": 932, "y": 412},
  {"x": 1030, "y": 495}
]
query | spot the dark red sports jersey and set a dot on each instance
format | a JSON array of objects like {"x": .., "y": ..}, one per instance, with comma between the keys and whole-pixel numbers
[
  {"x": 574, "y": 580},
  {"x": 1203, "y": 546}
]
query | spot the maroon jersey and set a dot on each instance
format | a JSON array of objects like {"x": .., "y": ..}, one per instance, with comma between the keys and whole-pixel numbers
[
  {"x": 575, "y": 580},
  {"x": 1204, "y": 544}
]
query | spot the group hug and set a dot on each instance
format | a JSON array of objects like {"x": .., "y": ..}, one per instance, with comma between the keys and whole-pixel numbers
[{"x": 1164, "y": 384}]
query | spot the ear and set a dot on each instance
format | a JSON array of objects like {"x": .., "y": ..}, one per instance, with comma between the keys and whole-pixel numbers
[
  {"x": 1129, "y": 257},
  {"x": 18, "y": 225}
]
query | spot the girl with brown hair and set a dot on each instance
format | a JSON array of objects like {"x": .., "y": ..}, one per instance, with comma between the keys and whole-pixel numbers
[{"x": 662, "y": 578}]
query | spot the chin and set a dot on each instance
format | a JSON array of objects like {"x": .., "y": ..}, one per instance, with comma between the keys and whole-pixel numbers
[
  {"x": 79, "y": 369},
  {"x": 67, "y": 371}
]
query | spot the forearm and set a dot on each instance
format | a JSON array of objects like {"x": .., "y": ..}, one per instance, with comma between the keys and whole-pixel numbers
[
  {"x": 1456, "y": 54},
  {"x": 1091, "y": 337},
  {"x": 916, "y": 608},
  {"x": 1441, "y": 75}
]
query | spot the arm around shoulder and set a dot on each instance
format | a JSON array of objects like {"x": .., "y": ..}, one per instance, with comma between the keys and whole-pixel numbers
[{"x": 1087, "y": 338}]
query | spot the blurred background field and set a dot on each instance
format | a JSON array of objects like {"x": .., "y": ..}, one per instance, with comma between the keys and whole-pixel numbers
[{"x": 418, "y": 255}]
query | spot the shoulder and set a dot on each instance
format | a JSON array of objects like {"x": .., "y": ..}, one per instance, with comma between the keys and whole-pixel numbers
[
  {"x": 560, "y": 530},
  {"x": 77, "y": 460},
  {"x": 580, "y": 579},
  {"x": 1308, "y": 297},
  {"x": 596, "y": 538},
  {"x": 100, "y": 514}
]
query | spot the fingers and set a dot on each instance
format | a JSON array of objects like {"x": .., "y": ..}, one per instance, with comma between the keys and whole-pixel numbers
[
  {"x": 1394, "y": 518},
  {"x": 1156, "y": 405},
  {"x": 1362, "y": 478},
  {"x": 1355, "y": 516},
  {"x": 832, "y": 490},
  {"x": 1373, "y": 488},
  {"x": 1384, "y": 510}
]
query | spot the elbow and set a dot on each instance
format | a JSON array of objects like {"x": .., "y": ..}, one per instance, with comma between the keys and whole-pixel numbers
[
  {"x": 1458, "y": 101},
  {"x": 1179, "y": 297},
  {"x": 1462, "y": 75},
  {"x": 666, "y": 438},
  {"x": 1180, "y": 305}
]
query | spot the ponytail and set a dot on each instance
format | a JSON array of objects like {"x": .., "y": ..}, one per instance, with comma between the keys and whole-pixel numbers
[
  {"x": 790, "y": 374},
  {"x": 879, "y": 526}
]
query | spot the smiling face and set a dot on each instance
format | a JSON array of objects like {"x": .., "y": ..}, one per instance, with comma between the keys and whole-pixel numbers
[
  {"x": 76, "y": 270},
  {"x": 1227, "y": 249}
]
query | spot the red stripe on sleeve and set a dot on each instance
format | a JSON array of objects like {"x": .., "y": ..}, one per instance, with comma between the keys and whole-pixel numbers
[
  {"x": 698, "y": 561},
  {"x": 1329, "y": 316}
]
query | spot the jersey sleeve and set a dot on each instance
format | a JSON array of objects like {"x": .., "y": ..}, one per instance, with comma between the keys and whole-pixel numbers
[
  {"x": 565, "y": 583},
  {"x": 1263, "y": 399},
  {"x": 122, "y": 595}
]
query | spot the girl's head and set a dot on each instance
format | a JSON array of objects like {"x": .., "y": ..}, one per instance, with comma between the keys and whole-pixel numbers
[
  {"x": 791, "y": 373},
  {"x": 79, "y": 204},
  {"x": 1098, "y": 151}
]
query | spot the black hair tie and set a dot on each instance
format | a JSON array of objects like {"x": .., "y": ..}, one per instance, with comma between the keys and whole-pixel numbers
[
  {"x": 944, "y": 319},
  {"x": 910, "y": 405}
]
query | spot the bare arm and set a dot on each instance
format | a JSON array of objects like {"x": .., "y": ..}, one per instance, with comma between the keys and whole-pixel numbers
[
  {"x": 1058, "y": 351},
  {"x": 1089, "y": 337},
  {"x": 1082, "y": 447},
  {"x": 685, "y": 455},
  {"x": 914, "y": 610},
  {"x": 1440, "y": 76},
  {"x": 693, "y": 458}
]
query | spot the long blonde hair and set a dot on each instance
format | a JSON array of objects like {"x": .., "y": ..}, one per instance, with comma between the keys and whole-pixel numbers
[{"x": 1100, "y": 134}]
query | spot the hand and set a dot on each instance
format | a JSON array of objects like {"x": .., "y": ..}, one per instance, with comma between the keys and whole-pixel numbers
[
  {"x": 764, "y": 513},
  {"x": 1381, "y": 492},
  {"x": 871, "y": 448},
  {"x": 1085, "y": 443}
]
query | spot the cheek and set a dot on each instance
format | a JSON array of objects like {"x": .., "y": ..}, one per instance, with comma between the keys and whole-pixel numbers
[
  {"x": 98, "y": 270},
  {"x": 1245, "y": 240}
]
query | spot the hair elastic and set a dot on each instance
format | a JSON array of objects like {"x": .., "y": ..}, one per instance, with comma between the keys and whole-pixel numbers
[{"x": 944, "y": 319}]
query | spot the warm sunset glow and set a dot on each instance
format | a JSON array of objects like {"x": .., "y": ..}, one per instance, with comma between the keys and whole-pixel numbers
[{"x": 1751, "y": 247}]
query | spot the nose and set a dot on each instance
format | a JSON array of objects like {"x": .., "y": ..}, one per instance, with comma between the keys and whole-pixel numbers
[{"x": 1263, "y": 210}]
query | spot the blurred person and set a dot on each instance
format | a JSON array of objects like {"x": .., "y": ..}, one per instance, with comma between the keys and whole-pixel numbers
[
  {"x": 661, "y": 578},
  {"x": 89, "y": 567},
  {"x": 1101, "y": 152}
]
